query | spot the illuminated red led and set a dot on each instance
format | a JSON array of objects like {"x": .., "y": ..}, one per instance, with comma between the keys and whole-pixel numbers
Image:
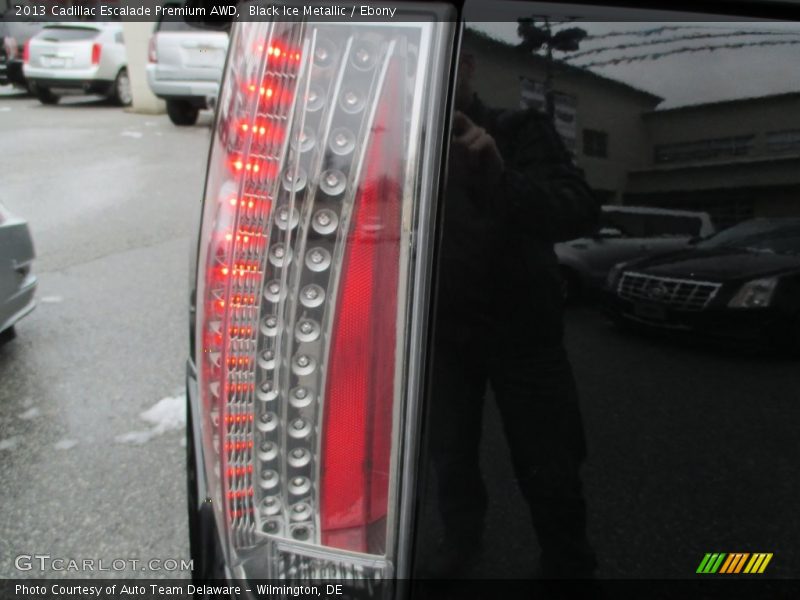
[
  {"x": 238, "y": 514},
  {"x": 235, "y": 495},
  {"x": 241, "y": 332},
  {"x": 252, "y": 134},
  {"x": 240, "y": 361},
  {"x": 240, "y": 471},
  {"x": 235, "y": 446},
  {"x": 212, "y": 341},
  {"x": 238, "y": 419},
  {"x": 240, "y": 165}
]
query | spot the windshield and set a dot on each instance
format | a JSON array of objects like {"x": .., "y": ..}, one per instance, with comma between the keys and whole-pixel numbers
[
  {"x": 68, "y": 34},
  {"x": 781, "y": 236},
  {"x": 642, "y": 224}
]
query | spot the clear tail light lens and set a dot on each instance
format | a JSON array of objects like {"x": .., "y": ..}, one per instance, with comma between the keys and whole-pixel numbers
[
  {"x": 96, "y": 50},
  {"x": 320, "y": 168}
]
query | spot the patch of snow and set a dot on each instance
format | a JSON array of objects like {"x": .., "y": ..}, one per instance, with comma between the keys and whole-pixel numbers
[
  {"x": 31, "y": 413},
  {"x": 134, "y": 437},
  {"x": 168, "y": 414},
  {"x": 133, "y": 134},
  {"x": 9, "y": 443},
  {"x": 51, "y": 299},
  {"x": 65, "y": 444}
]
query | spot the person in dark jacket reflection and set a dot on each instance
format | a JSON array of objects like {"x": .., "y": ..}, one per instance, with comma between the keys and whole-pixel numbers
[{"x": 512, "y": 192}]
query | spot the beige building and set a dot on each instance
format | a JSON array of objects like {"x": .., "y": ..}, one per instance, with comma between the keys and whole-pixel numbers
[
  {"x": 609, "y": 138},
  {"x": 735, "y": 159}
]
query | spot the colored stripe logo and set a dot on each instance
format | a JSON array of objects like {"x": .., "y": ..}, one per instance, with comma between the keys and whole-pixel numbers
[{"x": 734, "y": 563}]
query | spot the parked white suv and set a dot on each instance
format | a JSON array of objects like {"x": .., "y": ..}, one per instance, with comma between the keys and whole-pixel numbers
[
  {"x": 185, "y": 67},
  {"x": 86, "y": 58}
]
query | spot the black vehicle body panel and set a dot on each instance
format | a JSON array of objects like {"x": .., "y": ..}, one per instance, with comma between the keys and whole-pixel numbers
[{"x": 725, "y": 264}]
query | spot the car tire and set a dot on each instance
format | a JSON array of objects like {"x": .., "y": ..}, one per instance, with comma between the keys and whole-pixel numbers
[
  {"x": 7, "y": 335},
  {"x": 45, "y": 96},
  {"x": 182, "y": 113},
  {"x": 204, "y": 546},
  {"x": 121, "y": 93}
]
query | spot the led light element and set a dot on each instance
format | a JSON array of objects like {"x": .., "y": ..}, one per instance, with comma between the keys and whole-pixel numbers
[{"x": 318, "y": 155}]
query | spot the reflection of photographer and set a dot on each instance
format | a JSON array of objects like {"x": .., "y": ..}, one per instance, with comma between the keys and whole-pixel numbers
[{"x": 512, "y": 192}]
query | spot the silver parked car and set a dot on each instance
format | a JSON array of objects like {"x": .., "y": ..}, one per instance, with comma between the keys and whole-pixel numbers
[
  {"x": 86, "y": 58},
  {"x": 626, "y": 233},
  {"x": 17, "y": 283},
  {"x": 185, "y": 67}
]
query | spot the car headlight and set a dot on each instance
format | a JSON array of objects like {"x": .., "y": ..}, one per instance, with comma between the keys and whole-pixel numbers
[{"x": 755, "y": 294}]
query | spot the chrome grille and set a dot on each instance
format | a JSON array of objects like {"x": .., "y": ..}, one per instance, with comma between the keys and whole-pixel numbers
[{"x": 683, "y": 294}]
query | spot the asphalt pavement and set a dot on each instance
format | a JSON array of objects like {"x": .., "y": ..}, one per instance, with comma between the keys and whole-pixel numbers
[{"x": 111, "y": 200}]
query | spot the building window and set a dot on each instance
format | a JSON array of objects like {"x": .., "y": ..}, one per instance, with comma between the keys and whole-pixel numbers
[
  {"x": 595, "y": 143},
  {"x": 705, "y": 149},
  {"x": 783, "y": 141},
  {"x": 533, "y": 95}
]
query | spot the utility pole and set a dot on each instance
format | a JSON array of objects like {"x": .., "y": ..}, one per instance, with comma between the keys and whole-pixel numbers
[{"x": 538, "y": 34}]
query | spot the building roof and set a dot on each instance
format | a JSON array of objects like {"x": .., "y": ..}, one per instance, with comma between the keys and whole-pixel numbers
[
  {"x": 721, "y": 103},
  {"x": 480, "y": 38}
]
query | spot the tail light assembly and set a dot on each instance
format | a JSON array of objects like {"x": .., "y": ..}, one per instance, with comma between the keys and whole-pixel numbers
[
  {"x": 26, "y": 52},
  {"x": 313, "y": 249},
  {"x": 152, "y": 50},
  {"x": 96, "y": 50}
]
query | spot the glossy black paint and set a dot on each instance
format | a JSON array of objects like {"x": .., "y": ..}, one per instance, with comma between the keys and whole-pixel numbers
[
  {"x": 681, "y": 450},
  {"x": 554, "y": 444}
]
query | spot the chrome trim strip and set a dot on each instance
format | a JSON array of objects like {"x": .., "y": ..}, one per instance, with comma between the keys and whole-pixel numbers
[{"x": 433, "y": 149}]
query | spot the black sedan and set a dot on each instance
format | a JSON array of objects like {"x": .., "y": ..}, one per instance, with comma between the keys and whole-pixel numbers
[{"x": 742, "y": 283}]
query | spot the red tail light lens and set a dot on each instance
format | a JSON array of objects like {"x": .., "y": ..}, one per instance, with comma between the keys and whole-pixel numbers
[
  {"x": 96, "y": 49},
  {"x": 26, "y": 52},
  {"x": 360, "y": 389},
  {"x": 152, "y": 50},
  {"x": 319, "y": 170}
]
